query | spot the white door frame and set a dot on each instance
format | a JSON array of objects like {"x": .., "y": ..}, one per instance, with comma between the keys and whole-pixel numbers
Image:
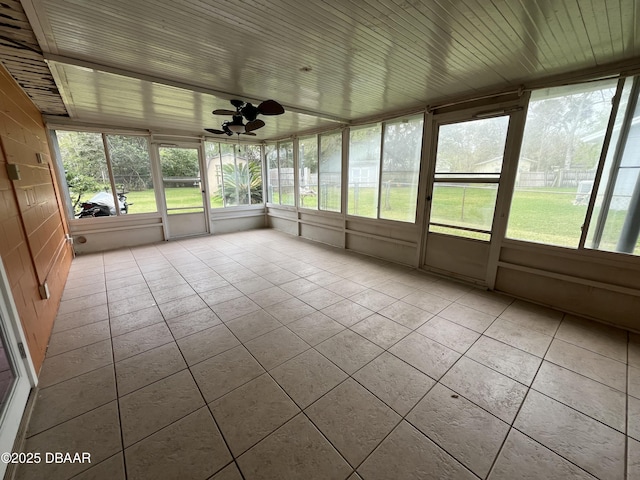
[
  {"x": 25, "y": 372},
  {"x": 204, "y": 183}
]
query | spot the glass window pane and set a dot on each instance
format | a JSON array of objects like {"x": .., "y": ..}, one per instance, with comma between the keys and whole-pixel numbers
[
  {"x": 181, "y": 178},
  {"x": 271, "y": 154},
  {"x": 230, "y": 175},
  {"x": 475, "y": 147},
  {"x": 86, "y": 172},
  {"x": 330, "y": 172},
  {"x": 465, "y": 205},
  {"x": 252, "y": 154},
  {"x": 560, "y": 150},
  {"x": 131, "y": 168},
  {"x": 308, "y": 159},
  {"x": 615, "y": 224},
  {"x": 214, "y": 174},
  {"x": 287, "y": 174},
  {"x": 364, "y": 171},
  {"x": 401, "y": 169}
]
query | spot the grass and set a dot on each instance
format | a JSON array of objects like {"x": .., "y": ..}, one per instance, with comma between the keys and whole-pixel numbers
[{"x": 539, "y": 215}]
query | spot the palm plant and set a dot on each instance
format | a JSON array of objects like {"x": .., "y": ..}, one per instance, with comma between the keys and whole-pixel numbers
[{"x": 242, "y": 183}]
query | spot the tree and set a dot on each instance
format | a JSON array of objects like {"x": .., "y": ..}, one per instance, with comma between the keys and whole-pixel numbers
[{"x": 242, "y": 185}]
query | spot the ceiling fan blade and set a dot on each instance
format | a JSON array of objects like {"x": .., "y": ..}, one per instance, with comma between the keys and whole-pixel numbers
[
  {"x": 222, "y": 111},
  {"x": 254, "y": 125},
  {"x": 248, "y": 133},
  {"x": 249, "y": 112},
  {"x": 237, "y": 103},
  {"x": 213, "y": 130},
  {"x": 270, "y": 107}
]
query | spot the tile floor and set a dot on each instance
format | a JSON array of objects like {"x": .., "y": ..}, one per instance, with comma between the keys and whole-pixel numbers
[{"x": 262, "y": 356}]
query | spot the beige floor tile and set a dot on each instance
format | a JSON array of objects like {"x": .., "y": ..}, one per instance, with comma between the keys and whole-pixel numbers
[
  {"x": 508, "y": 360},
  {"x": 207, "y": 343},
  {"x": 315, "y": 328},
  {"x": 66, "y": 400},
  {"x": 444, "y": 288},
  {"x": 597, "y": 367},
  {"x": 251, "y": 412},
  {"x": 449, "y": 334},
  {"x": 78, "y": 337},
  {"x": 394, "y": 288},
  {"x": 182, "y": 306},
  {"x": 78, "y": 319},
  {"x": 372, "y": 299},
  {"x": 395, "y": 382},
  {"x": 114, "y": 284},
  {"x": 253, "y": 325},
  {"x": 426, "y": 301},
  {"x": 141, "y": 340},
  {"x": 219, "y": 375},
  {"x": 634, "y": 349},
  {"x": 633, "y": 414},
  {"x": 349, "y": 351},
  {"x": 320, "y": 298},
  {"x": 307, "y": 377},
  {"x": 425, "y": 354},
  {"x": 110, "y": 469},
  {"x": 633, "y": 459},
  {"x": 486, "y": 388},
  {"x": 173, "y": 293},
  {"x": 633, "y": 381},
  {"x": 603, "y": 339},
  {"x": 353, "y": 419},
  {"x": 406, "y": 314},
  {"x": 96, "y": 432},
  {"x": 280, "y": 277},
  {"x": 586, "y": 442},
  {"x": 135, "y": 320},
  {"x": 469, "y": 433},
  {"x": 347, "y": 312},
  {"x": 253, "y": 284},
  {"x": 153, "y": 407},
  {"x": 525, "y": 459},
  {"x": 235, "y": 308},
  {"x": 220, "y": 295},
  {"x": 290, "y": 310},
  {"x": 270, "y": 296},
  {"x": 193, "y": 322},
  {"x": 346, "y": 288},
  {"x": 75, "y": 362},
  {"x": 162, "y": 279},
  {"x": 409, "y": 455},
  {"x": 296, "y": 450},
  {"x": 90, "y": 299},
  {"x": 276, "y": 347},
  {"x": 211, "y": 282},
  {"x": 324, "y": 278},
  {"x": 148, "y": 367},
  {"x": 192, "y": 447},
  {"x": 115, "y": 295},
  {"x": 131, "y": 304},
  {"x": 585, "y": 395},
  {"x": 517, "y": 336},
  {"x": 487, "y": 302},
  {"x": 534, "y": 317},
  {"x": 230, "y": 472},
  {"x": 298, "y": 286},
  {"x": 380, "y": 330},
  {"x": 467, "y": 317}
]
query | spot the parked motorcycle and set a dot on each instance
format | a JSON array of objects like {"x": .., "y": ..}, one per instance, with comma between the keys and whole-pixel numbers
[{"x": 102, "y": 205}]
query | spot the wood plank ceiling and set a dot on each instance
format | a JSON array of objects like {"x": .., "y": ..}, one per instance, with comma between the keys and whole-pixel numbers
[{"x": 165, "y": 64}]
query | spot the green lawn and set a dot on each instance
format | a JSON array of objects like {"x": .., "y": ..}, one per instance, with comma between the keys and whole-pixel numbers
[{"x": 537, "y": 214}]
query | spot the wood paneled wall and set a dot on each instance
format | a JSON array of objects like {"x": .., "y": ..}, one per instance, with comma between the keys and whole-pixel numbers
[{"x": 32, "y": 223}]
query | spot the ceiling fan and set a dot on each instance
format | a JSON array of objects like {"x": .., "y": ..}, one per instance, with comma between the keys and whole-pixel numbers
[{"x": 245, "y": 111}]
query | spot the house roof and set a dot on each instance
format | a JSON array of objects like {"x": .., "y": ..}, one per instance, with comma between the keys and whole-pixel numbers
[{"x": 166, "y": 64}]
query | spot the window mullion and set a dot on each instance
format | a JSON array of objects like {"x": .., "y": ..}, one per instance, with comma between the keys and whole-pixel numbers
[
  {"x": 114, "y": 191},
  {"x": 615, "y": 166}
]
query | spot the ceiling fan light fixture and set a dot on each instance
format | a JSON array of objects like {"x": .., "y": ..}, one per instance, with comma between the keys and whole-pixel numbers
[{"x": 236, "y": 128}]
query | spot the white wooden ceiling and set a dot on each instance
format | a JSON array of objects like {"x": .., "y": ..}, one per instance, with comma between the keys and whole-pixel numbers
[{"x": 165, "y": 64}]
